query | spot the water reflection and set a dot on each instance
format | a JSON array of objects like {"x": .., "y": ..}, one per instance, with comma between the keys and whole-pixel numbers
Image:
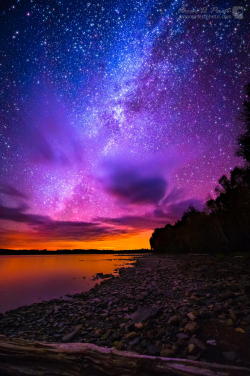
[{"x": 28, "y": 279}]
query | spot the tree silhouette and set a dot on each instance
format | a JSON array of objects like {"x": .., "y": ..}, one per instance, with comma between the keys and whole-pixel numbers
[
  {"x": 244, "y": 139},
  {"x": 224, "y": 225}
]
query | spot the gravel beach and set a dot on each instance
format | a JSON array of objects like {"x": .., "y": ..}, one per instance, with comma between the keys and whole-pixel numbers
[{"x": 190, "y": 306}]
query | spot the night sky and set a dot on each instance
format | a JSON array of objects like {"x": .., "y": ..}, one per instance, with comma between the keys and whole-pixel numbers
[{"x": 115, "y": 116}]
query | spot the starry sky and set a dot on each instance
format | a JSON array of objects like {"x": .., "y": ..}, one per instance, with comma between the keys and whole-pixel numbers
[{"x": 115, "y": 116}]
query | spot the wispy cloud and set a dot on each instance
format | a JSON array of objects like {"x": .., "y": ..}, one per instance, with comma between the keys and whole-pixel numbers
[
  {"x": 53, "y": 229},
  {"x": 9, "y": 190}
]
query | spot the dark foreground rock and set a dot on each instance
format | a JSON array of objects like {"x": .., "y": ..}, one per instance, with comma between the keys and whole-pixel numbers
[{"x": 195, "y": 307}]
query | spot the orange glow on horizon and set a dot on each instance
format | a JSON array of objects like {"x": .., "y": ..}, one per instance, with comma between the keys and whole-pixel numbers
[{"x": 18, "y": 241}]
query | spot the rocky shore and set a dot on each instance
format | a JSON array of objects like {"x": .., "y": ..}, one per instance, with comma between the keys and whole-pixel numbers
[{"x": 190, "y": 306}]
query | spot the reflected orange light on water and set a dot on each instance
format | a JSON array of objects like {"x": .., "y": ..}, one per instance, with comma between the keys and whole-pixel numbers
[{"x": 28, "y": 279}]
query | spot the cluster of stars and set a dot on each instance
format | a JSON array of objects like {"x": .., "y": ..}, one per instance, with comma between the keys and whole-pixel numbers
[{"x": 86, "y": 85}]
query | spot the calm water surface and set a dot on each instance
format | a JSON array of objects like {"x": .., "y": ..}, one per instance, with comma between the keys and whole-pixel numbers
[{"x": 28, "y": 279}]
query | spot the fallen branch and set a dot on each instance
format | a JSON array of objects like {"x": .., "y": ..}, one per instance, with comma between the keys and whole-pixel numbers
[{"x": 19, "y": 357}]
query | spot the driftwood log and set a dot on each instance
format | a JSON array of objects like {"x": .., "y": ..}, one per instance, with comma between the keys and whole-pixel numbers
[{"x": 19, "y": 357}]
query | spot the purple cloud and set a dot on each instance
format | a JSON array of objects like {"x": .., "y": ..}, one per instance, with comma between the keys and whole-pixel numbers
[
  {"x": 160, "y": 216},
  {"x": 132, "y": 186},
  {"x": 174, "y": 195},
  {"x": 143, "y": 222},
  {"x": 8, "y": 190},
  {"x": 178, "y": 208},
  {"x": 19, "y": 215},
  {"x": 53, "y": 229}
]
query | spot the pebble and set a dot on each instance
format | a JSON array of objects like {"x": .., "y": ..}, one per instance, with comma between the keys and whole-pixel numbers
[
  {"x": 230, "y": 355},
  {"x": 182, "y": 336},
  {"x": 191, "y": 347},
  {"x": 211, "y": 342},
  {"x": 138, "y": 325},
  {"x": 167, "y": 352},
  {"x": 68, "y": 337},
  {"x": 191, "y": 327},
  {"x": 191, "y": 315},
  {"x": 240, "y": 330},
  {"x": 130, "y": 335},
  {"x": 174, "y": 319}
]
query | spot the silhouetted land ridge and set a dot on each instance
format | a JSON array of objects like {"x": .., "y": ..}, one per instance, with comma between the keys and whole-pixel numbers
[
  {"x": 224, "y": 224},
  {"x": 70, "y": 251}
]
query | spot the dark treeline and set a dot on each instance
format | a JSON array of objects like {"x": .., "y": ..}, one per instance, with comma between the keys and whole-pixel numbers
[
  {"x": 27, "y": 252},
  {"x": 224, "y": 224}
]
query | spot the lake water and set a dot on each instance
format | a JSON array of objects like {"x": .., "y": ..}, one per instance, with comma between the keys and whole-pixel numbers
[{"x": 28, "y": 279}]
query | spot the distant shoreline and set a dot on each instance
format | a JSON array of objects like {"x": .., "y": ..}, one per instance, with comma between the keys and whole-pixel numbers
[{"x": 23, "y": 252}]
